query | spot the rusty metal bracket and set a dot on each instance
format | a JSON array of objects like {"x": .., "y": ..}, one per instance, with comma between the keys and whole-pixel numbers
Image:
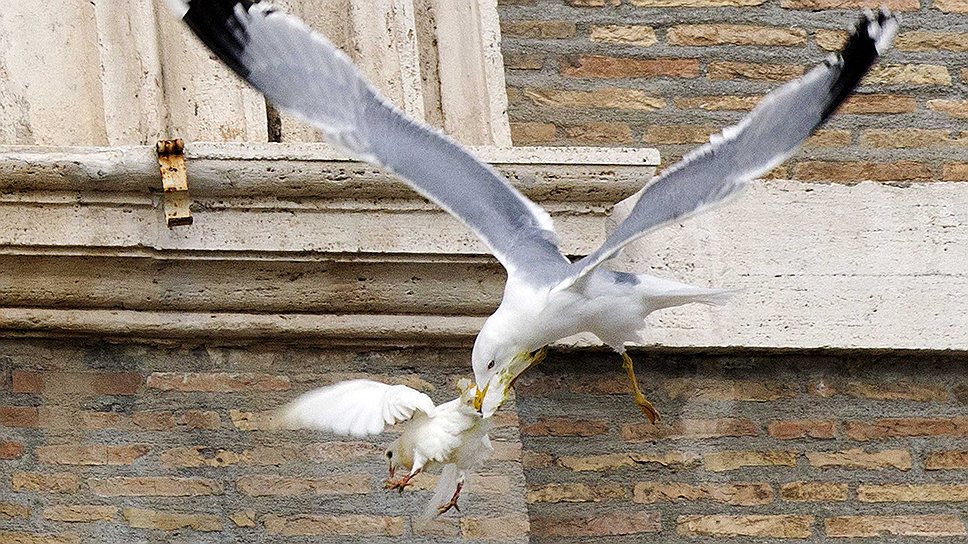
[{"x": 174, "y": 179}]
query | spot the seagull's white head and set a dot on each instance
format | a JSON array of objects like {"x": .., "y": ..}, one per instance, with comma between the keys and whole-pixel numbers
[{"x": 497, "y": 364}]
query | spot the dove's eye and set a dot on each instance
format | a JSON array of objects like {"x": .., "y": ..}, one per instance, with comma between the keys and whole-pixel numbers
[
  {"x": 389, "y": 455},
  {"x": 490, "y": 365}
]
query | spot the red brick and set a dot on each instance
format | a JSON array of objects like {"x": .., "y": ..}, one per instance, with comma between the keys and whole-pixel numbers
[
  {"x": 538, "y": 29},
  {"x": 912, "y": 493},
  {"x": 720, "y": 461},
  {"x": 804, "y": 428},
  {"x": 881, "y": 526},
  {"x": 154, "y": 486},
  {"x": 524, "y": 61},
  {"x": 954, "y": 108},
  {"x": 565, "y": 427},
  {"x": 342, "y": 525},
  {"x": 575, "y": 492},
  {"x": 722, "y": 390},
  {"x": 721, "y": 70},
  {"x": 11, "y": 537},
  {"x": 953, "y": 171},
  {"x": 690, "y": 428},
  {"x": 907, "y": 138},
  {"x": 594, "y": 66},
  {"x": 772, "y": 526},
  {"x": 735, "y": 494},
  {"x": 678, "y": 134},
  {"x": 90, "y": 454},
  {"x": 814, "y": 491},
  {"x": 600, "y": 133},
  {"x": 141, "y": 518},
  {"x": 951, "y": 6},
  {"x": 217, "y": 382},
  {"x": 695, "y": 3},
  {"x": 532, "y": 133},
  {"x": 908, "y": 74},
  {"x": 611, "y": 524},
  {"x": 855, "y": 172},
  {"x": 200, "y": 419},
  {"x": 821, "y": 5},
  {"x": 58, "y": 482},
  {"x": 730, "y": 34},
  {"x": 860, "y": 459},
  {"x": 878, "y": 104},
  {"x": 77, "y": 383},
  {"x": 19, "y": 416},
  {"x": 674, "y": 460},
  {"x": 946, "y": 460},
  {"x": 906, "y": 427},
  {"x": 80, "y": 513},
  {"x": 10, "y": 510},
  {"x": 717, "y": 103},
  {"x": 271, "y": 485},
  {"x": 495, "y": 528},
  {"x": 876, "y": 390},
  {"x": 10, "y": 450}
]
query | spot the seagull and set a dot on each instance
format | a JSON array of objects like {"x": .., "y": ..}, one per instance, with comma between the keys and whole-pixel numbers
[
  {"x": 452, "y": 436},
  {"x": 547, "y": 296}
]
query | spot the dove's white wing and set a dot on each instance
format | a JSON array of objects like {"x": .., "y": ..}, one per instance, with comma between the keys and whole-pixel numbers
[{"x": 356, "y": 407}]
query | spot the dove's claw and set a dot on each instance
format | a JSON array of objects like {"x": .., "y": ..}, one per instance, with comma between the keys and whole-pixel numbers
[
  {"x": 452, "y": 503},
  {"x": 400, "y": 484}
]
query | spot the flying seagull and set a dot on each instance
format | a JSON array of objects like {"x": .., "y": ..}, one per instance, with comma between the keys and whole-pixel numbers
[
  {"x": 452, "y": 435},
  {"x": 547, "y": 297}
]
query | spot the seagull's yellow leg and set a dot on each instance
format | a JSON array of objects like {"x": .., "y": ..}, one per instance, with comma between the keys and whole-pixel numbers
[{"x": 646, "y": 406}]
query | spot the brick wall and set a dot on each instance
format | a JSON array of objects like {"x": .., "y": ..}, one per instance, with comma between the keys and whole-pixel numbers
[
  {"x": 781, "y": 447},
  {"x": 117, "y": 444},
  {"x": 667, "y": 73},
  {"x": 126, "y": 443}
]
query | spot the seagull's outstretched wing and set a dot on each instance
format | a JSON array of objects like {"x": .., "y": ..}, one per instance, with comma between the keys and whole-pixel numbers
[
  {"x": 306, "y": 75},
  {"x": 760, "y": 142},
  {"x": 356, "y": 407}
]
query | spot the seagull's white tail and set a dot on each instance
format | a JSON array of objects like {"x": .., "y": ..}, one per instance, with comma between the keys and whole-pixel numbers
[
  {"x": 661, "y": 293},
  {"x": 446, "y": 485}
]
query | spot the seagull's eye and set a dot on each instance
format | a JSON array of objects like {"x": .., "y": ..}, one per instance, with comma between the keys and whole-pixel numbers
[{"x": 490, "y": 365}]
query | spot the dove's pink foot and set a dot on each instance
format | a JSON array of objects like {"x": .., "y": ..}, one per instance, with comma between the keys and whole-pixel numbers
[
  {"x": 400, "y": 484},
  {"x": 452, "y": 503}
]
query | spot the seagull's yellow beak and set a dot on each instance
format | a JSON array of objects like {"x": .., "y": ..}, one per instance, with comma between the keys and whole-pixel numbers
[{"x": 479, "y": 397}]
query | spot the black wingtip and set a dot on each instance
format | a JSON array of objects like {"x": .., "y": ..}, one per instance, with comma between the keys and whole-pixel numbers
[
  {"x": 871, "y": 36},
  {"x": 220, "y": 24}
]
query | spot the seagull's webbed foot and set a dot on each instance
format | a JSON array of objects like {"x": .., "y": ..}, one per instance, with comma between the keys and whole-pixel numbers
[
  {"x": 452, "y": 503},
  {"x": 400, "y": 484},
  {"x": 643, "y": 403}
]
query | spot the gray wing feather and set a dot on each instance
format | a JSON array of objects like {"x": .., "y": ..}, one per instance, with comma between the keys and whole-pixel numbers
[
  {"x": 761, "y": 141},
  {"x": 304, "y": 74}
]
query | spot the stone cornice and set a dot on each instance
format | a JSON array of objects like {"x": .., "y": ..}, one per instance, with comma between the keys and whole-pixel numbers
[{"x": 296, "y": 244}]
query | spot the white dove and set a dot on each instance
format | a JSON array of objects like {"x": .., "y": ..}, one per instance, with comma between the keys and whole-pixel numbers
[{"x": 452, "y": 435}]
